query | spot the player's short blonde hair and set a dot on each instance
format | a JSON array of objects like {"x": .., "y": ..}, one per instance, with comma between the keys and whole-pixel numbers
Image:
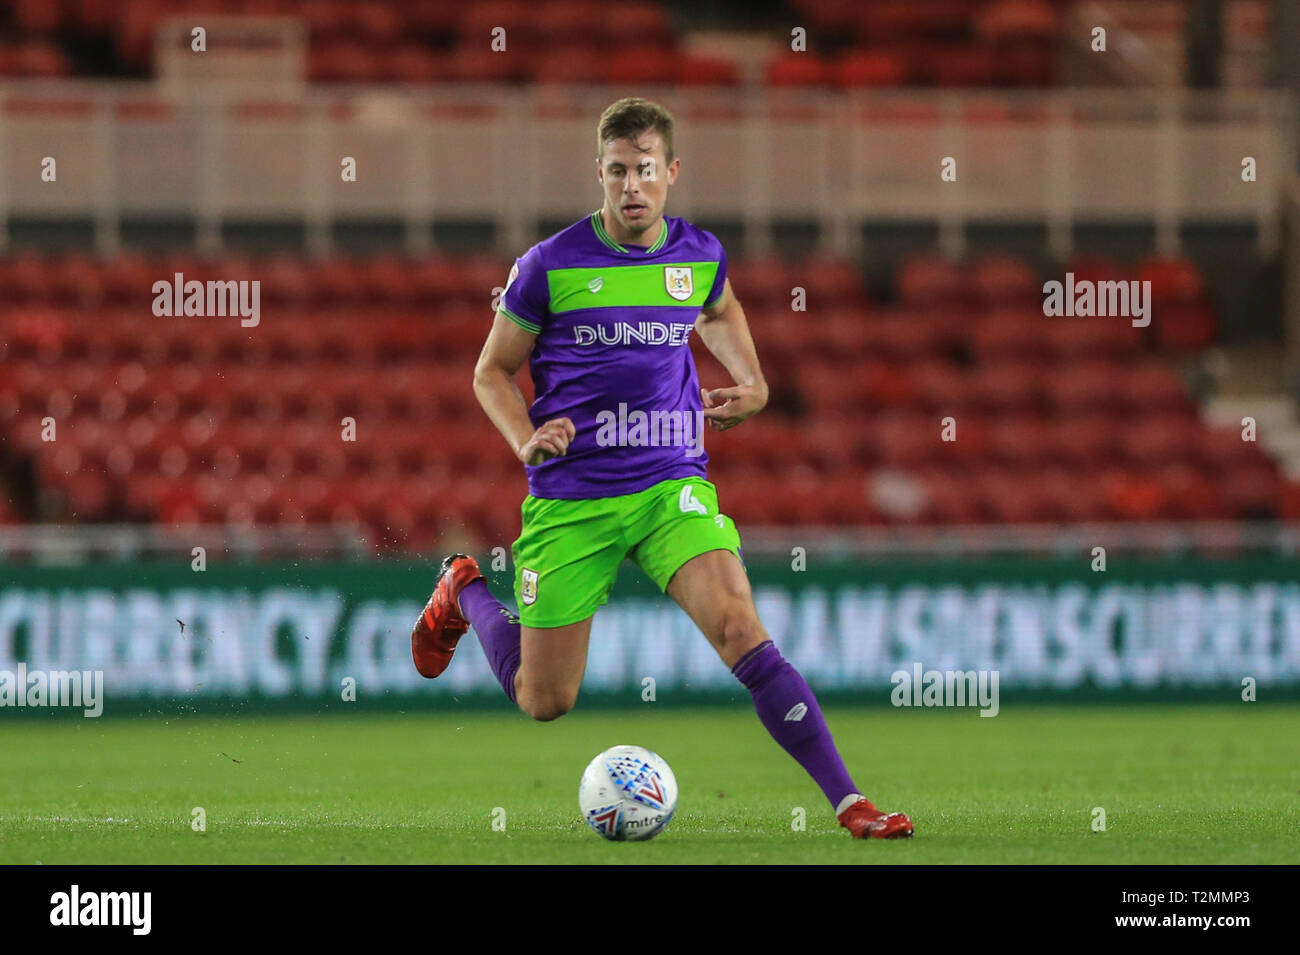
[{"x": 630, "y": 117}]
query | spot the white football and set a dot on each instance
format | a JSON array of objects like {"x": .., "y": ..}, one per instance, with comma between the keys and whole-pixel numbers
[{"x": 628, "y": 793}]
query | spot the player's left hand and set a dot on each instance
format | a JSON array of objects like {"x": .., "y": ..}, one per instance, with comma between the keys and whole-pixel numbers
[{"x": 727, "y": 407}]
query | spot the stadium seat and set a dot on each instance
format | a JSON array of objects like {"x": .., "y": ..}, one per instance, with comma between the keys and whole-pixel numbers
[
  {"x": 1056, "y": 419},
  {"x": 930, "y": 281},
  {"x": 865, "y": 68},
  {"x": 956, "y": 65},
  {"x": 706, "y": 71},
  {"x": 800, "y": 69},
  {"x": 1004, "y": 280}
]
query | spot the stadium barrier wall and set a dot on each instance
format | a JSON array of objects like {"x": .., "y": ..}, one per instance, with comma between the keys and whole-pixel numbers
[
  {"x": 133, "y": 154},
  {"x": 289, "y": 635}
]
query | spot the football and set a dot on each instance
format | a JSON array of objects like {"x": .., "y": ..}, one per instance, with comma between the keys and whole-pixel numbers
[{"x": 628, "y": 793}]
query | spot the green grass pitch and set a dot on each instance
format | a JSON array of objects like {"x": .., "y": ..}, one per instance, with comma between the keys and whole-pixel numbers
[{"x": 1179, "y": 784}]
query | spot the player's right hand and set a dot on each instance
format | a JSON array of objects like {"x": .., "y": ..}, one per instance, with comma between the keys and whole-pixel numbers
[{"x": 549, "y": 441}]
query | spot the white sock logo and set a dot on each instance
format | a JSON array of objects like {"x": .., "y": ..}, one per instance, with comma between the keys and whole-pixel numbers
[
  {"x": 797, "y": 712},
  {"x": 687, "y": 503}
]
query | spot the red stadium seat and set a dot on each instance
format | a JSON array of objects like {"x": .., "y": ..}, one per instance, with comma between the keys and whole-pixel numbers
[
  {"x": 1172, "y": 280},
  {"x": 908, "y": 335},
  {"x": 908, "y": 439},
  {"x": 1090, "y": 386},
  {"x": 1010, "y": 333},
  {"x": 343, "y": 61},
  {"x": 1097, "y": 268},
  {"x": 474, "y": 62},
  {"x": 956, "y": 65},
  {"x": 414, "y": 63},
  {"x": 864, "y": 68},
  {"x": 832, "y": 16},
  {"x": 830, "y": 282},
  {"x": 930, "y": 281},
  {"x": 1010, "y": 385},
  {"x": 1086, "y": 440},
  {"x": 1290, "y": 501},
  {"x": 1007, "y": 20},
  {"x": 764, "y": 282},
  {"x": 1022, "y": 441},
  {"x": 899, "y": 19},
  {"x": 706, "y": 71},
  {"x": 800, "y": 69},
  {"x": 378, "y": 24},
  {"x": 578, "y": 61},
  {"x": 184, "y": 420},
  {"x": 824, "y": 333},
  {"x": 1155, "y": 440},
  {"x": 1183, "y": 327},
  {"x": 1190, "y": 494},
  {"x": 943, "y": 389},
  {"x": 949, "y": 498},
  {"x": 1071, "y": 339},
  {"x": 326, "y": 18},
  {"x": 1019, "y": 62},
  {"x": 1151, "y": 388},
  {"x": 1004, "y": 280},
  {"x": 634, "y": 64},
  {"x": 1134, "y": 497},
  {"x": 1069, "y": 496},
  {"x": 518, "y": 18},
  {"x": 886, "y": 383},
  {"x": 645, "y": 22}
]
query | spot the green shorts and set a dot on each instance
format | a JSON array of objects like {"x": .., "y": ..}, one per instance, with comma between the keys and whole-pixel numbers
[{"x": 568, "y": 553}]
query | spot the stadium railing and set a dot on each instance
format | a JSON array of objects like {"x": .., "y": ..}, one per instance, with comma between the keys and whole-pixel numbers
[{"x": 129, "y": 151}]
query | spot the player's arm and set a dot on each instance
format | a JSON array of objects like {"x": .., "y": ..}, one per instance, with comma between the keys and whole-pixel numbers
[
  {"x": 724, "y": 331},
  {"x": 504, "y": 353}
]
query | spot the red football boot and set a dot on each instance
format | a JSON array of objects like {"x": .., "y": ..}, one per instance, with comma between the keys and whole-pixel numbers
[
  {"x": 865, "y": 821},
  {"x": 440, "y": 627}
]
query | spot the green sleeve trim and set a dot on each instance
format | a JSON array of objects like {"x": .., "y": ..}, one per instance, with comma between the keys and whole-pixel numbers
[{"x": 521, "y": 322}]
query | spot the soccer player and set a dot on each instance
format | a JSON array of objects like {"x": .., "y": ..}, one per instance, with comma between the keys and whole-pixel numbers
[{"x": 603, "y": 313}]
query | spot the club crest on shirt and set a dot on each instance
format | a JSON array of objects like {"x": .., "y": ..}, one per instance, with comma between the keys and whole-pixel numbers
[
  {"x": 679, "y": 282},
  {"x": 527, "y": 586}
]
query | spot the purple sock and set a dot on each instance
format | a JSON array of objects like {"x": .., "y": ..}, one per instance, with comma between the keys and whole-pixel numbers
[
  {"x": 497, "y": 629},
  {"x": 787, "y": 707}
]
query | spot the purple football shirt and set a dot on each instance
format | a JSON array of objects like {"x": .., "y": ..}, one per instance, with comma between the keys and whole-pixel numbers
[{"x": 613, "y": 326}]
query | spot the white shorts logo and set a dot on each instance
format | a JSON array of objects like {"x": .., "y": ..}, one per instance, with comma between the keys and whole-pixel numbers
[
  {"x": 687, "y": 503},
  {"x": 528, "y": 586},
  {"x": 797, "y": 712}
]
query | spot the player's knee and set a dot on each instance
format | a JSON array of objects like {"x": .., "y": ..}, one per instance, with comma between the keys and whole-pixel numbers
[
  {"x": 741, "y": 630},
  {"x": 545, "y": 707},
  {"x": 543, "y": 711}
]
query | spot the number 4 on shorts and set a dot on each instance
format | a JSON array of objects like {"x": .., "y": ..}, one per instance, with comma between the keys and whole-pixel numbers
[{"x": 688, "y": 503}]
